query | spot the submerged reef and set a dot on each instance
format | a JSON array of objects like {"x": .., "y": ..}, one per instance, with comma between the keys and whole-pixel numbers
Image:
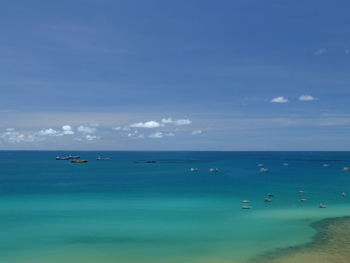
[{"x": 331, "y": 244}]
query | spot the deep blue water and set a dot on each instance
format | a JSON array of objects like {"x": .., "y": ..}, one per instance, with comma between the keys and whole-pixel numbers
[{"x": 127, "y": 210}]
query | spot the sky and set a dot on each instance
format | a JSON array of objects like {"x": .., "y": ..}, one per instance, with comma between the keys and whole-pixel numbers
[{"x": 234, "y": 75}]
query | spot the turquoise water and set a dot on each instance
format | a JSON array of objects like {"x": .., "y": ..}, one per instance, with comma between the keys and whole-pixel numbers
[{"x": 124, "y": 211}]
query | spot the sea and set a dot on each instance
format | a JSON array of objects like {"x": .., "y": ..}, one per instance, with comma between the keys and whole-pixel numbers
[{"x": 129, "y": 210}]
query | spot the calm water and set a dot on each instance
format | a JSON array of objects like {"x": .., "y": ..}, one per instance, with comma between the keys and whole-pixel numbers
[{"x": 121, "y": 211}]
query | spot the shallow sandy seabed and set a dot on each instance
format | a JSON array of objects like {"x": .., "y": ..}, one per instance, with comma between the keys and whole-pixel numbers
[{"x": 330, "y": 245}]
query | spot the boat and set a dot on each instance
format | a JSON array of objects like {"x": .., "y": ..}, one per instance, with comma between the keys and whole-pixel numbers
[
  {"x": 62, "y": 158},
  {"x": 343, "y": 194},
  {"x": 301, "y": 192},
  {"x": 151, "y": 161},
  {"x": 270, "y": 195},
  {"x": 325, "y": 165},
  {"x": 322, "y": 206},
  {"x": 79, "y": 161},
  {"x": 264, "y": 170},
  {"x": 245, "y": 201},
  {"x": 267, "y": 200},
  {"x": 246, "y": 207},
  {"x": 194, "y": 169},
  {"x": 285, "y": 164},
  {"x": 102, "y": 158},
  {"x": 260, "y": 165},
  {"x": 69, "y": 157},
  {"x": 346, "y": 169},
  {"x": 303, "y": 200},
  {"x": 213, "y": 170}
]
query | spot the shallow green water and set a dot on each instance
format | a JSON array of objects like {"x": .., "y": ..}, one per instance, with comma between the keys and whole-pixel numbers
[{"x": 121, "y": 211}]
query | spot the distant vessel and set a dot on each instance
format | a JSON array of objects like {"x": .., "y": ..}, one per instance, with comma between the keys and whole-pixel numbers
[
  {"x": 303, "y": 200},
  {"x": 151, "y": 161},
  {"x": 322, "y": 206},
  {"x": 102, "y": 158},
  {"x": 245, "y": 201},
  {"x": 260, "y": 165},
  {"x": 325, "y": 165},
  {"x": 285, "y": 164},
  {"x": 62, "y": 158},
  {"x": 343, "y": 194},
  {"x": 246, "y": 207},
  {"x": 267, "y": 200},
  {"x": 270, "y": 195},
  {"x": 301, "y": 192},
  {"x": 346, "y": 169},
  {"x": 194, "y": 169},
  {"x": 70, "y": 157},
  {"x": 79, "y": 161},
  {"x": 264, "y": 170},
  {"x": 213, "y": 170}
]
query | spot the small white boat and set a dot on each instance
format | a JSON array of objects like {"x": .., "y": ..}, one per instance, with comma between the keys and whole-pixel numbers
[
  {"x": 303, "y": 200},
  {"x": 267, "y": 200},
  {"x": 264, "y": 170},
  {"x": 213, "y": 170},
  {"x": 346, "y": 169},
  {"x": 301, "y": 192},
  {"x": 102, "y": 158},
  {"x": 260, "y": 165},
  {"x": 325, "y": 165},
  {"x": 194, "y": 169},
  {"x": 285, "y": 164},
  {"x": 343, "y": 194},
  {"x": 322, "y": 206}
]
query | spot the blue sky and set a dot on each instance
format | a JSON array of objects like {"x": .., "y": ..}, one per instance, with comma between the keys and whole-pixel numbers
[{"x": 175, "y": 75}]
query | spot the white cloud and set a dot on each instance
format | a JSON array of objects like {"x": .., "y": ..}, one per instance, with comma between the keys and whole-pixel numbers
[
  {"x": 182, "y": 122},
  {"x": 159, "y": 135},
  {"x": 67, "y": 130},
  {"x": 49, "y": 132},
  {"x": 280, "y": 99},
  {"x": 307, "y": 98},
  {"x": 86, "y": 129},
  {"x": 320, "y": 51},
  {"x": 91, "y": 137},
  {"x": 176, "y": 122},
  {"x": 13, "y": 136},
  {"x": 156, "y": 135},
  {"x": 135, "y": 135},
  {"x": 168, "y": 120},
  {"x": 116, "y": 128},
  {"x": 196, "y": 132},
  {"x": 148, "y": 124}
]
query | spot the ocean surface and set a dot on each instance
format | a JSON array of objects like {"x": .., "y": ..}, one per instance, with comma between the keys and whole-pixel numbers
[{"x": 127, "y": 210}]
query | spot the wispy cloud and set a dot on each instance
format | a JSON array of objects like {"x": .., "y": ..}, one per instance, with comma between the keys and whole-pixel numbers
[
  {"x": 320, "y": 51},
  {"x": 159, "y": 135},
  {"x": 307, "y": 98},
  {"x": 13, "y": 136},
  {"x": 178, "y": 122},
  {"x": 49, "y": 132},
  {"x": 197, "y": 132},
  {"x": 280, "y": 99}
]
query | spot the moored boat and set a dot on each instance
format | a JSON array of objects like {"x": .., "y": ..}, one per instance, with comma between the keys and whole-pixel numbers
[{"x": 79, "y": 161}]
